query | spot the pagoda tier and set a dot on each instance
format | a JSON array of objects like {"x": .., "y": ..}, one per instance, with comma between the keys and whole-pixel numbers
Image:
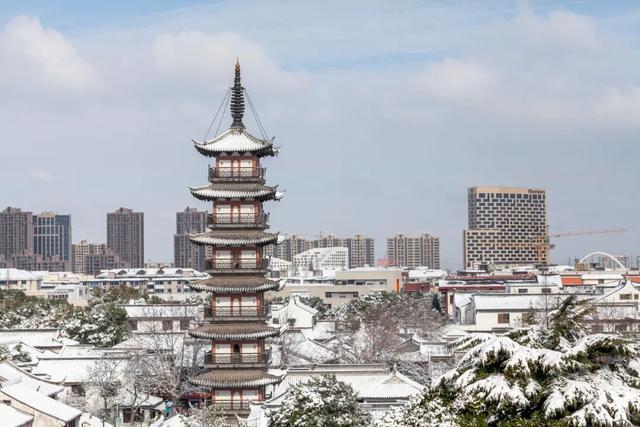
[
  {"x": 230, "y": 191},
  {"x": 236, "y": 331},
  {"x": 242, "y": 284},
  {"x": 236, "y": 140},
  {"x": 235, "y": 238},
  {"x": 239, "y": 379}
]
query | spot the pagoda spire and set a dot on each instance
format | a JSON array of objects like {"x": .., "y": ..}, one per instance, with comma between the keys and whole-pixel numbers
[{"x": 237, "y": 100}]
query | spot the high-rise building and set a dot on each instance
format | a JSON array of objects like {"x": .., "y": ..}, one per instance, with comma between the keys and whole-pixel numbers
[
  {"x": 361, "y": 251},
  {"x": 236, "y": 367},
  {"x": 16, "y": 232},
  {"x": 52, "y": 236},
  {"x": 506, "y": 225},
  {"x": 125, "y": 236},
  {"x": 318, "y": 259},
  {"x": 185, "y": 253},
  {"x": 417, "y": 251},
  {"x": 361, "y": 248},
  {"x": 92, "y": 258}
]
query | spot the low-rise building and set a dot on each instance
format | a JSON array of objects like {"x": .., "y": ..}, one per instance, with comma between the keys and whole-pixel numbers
[
  {"x": 166, "y": 283},
  {"x": 163, "y": 318},
  {"x": 44, "y": 410},
  {"x": 347, "y": 285},
  {"x": 294, "y": 314},
  {"x": 12, "y": 278}
]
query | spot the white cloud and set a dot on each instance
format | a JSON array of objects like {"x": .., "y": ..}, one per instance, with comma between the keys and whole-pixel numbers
[
  {"x": 621, "y": 105},
  {"x": 210, "y": 58},
  {"x": 455, "y": 79},
  {"x": 42, "y": 175},
  {"x": 50, "y": 54}
]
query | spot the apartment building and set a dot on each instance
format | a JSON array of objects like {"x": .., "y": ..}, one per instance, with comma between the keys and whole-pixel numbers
[{"x": 416, "y": 251}]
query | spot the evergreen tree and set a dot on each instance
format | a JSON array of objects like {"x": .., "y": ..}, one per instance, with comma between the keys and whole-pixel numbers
[
  {"x": 320, "y": 402},
  {"x": 546, "y": 377}
]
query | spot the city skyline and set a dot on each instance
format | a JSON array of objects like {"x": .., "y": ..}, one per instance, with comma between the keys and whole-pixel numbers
[{"x": 574, "y": 135}]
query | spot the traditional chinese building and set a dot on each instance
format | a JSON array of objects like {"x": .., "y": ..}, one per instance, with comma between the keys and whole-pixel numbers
[{"x": 236, "y": 367}]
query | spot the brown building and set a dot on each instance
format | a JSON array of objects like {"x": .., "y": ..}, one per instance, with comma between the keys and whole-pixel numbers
[
  {"x": 236, "y": 366},
  {"x": 420, "y": 251},
  {"x": 505, "y": 226},
  {"x": 92, "y": 258},
  {"x": 185, "y": 253},
  {"x": 125, "y": 236},
  {"x": 16, "y": 232}
]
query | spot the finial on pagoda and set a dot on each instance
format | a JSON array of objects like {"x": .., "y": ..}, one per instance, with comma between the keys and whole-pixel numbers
[{"x": 237, "y": 100}]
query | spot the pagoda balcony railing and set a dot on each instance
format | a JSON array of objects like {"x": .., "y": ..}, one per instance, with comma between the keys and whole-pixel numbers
[
  {"x": 235, "y": 312},
  {"x": 236, "y": 172},
  {"x": 236, "y": 264},
  {"x": 229, "y": 405},
  {"x": 249, "y": 219},
  {"x": 236, "y": 359}
]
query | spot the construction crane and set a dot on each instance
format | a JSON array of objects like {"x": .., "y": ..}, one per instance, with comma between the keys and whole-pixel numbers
[{"x": 543, "y": 243}]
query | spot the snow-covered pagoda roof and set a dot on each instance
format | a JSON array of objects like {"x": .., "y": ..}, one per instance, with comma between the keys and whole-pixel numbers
[
  {"x": 235, "y": 238},
  {"x": 236, "y": 140},
  {"x": 217, "y": 191},
  {"x": 231, "y": 331},
  {"x": 243, "y": 378},
  {"x": 238, "y": 284}
]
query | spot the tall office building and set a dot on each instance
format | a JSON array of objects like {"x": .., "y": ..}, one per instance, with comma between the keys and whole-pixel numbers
[
  {"x": 506, "y": 226},
  {"x": 185, "y": 253},
  {"x": 16, "y": 232},
  {"x": 125, "y": 236},
  {"x": 419, "y": 251},
  {"x": 52, "y": 236}
]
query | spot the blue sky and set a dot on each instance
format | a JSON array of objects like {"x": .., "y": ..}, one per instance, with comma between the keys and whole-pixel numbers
[{"x": 387, "y": 111}]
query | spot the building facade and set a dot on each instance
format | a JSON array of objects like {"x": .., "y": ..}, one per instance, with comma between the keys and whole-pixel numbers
[
  {"x": 125, "y": 236},
  {"x": 507, "y": 226},
  {"x": 361, "y": 248},
  {"x": 419, "y": 251},
  {"x": 92, "y": 258},
  {"x": 52, "y": 236},
  {"x": 236, "y": 366},
  {"x": 319, "y": 259},
  {"x": 185, "y": 253},
  {"x": 16, "y": 232}
]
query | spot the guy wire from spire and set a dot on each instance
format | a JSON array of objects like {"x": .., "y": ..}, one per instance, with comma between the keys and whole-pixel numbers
[
  {"x": 223, "y": 104},
  {"x": 255, "y": 115}
]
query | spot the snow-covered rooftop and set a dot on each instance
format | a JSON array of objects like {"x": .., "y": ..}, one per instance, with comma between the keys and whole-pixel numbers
[
  {"x": 38, "y": 338},
  {"x": 15, "y": 274},
  {"x": 41, "y": 403},
  {"x": 513, "y": 301},
  {"x": 150, "y": 272},
  {"x": 369, "y": 381},
  {"x": 11, "y": 374},
  {"x": 163, "y": 310},
  {"x": 13, "y": 418}
]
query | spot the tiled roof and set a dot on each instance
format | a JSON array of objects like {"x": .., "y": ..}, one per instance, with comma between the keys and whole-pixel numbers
[
  {"x": 13, "y": 418},
  {"x": 41, "y": 403},
  {"x": 236, "y": 191},
  {"x": 244, "y": 378},
  {"x": 235, "y": 331},
  {"x": 237, "y": 284},
  {"x": 236, "y": 140},
  {"x": 234, "y": 238}
]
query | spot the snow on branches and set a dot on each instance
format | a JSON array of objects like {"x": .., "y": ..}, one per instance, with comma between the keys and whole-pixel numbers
[{"x": 555, "y": 376}]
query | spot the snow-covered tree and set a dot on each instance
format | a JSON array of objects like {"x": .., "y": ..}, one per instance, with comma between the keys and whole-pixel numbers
[
  {"x": 102, "y": 325},
  {"x": 542, "y": 377},
  {"x": 320, "y": 402},
  {"x": 205, "y": 417}
]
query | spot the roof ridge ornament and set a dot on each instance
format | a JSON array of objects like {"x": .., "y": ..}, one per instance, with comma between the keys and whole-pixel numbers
[{"x": 237, "y": 100}]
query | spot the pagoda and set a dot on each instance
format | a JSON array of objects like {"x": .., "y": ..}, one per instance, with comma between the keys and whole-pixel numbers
[{"x": 236, "y": 368}]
